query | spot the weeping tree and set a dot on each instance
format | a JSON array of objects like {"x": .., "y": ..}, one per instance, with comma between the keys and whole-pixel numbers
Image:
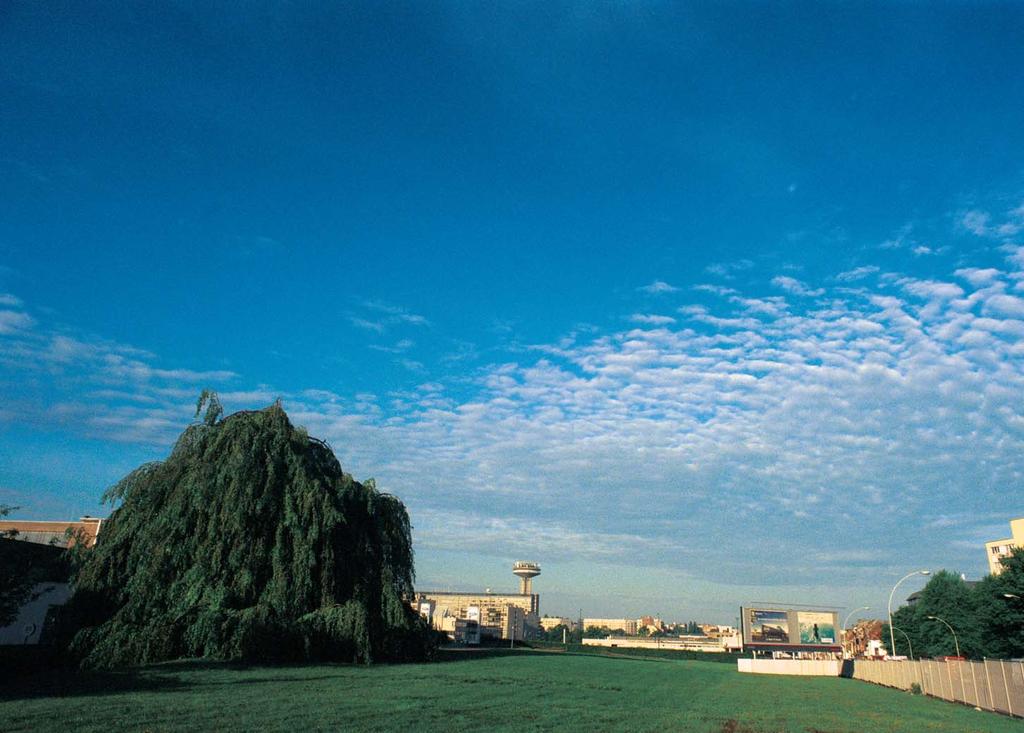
[{"x": 249, "y": 542}]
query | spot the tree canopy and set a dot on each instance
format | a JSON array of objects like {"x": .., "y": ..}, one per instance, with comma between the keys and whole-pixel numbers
[
  {"x": 248, "y": 542},
  {"x": 987, "y": 622}
]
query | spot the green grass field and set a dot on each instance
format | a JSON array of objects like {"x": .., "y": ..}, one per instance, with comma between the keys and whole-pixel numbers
[{"x": 503, "y": 691}]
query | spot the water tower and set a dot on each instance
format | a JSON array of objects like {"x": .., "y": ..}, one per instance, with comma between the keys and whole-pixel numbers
[{"x": 526, "y": 571}]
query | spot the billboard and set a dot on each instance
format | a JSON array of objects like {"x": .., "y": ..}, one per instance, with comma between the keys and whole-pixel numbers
[
  {"x": 769, "y": 626},
  {"x": 786, "y": 627},
  {"x": 816, "y": 627}
]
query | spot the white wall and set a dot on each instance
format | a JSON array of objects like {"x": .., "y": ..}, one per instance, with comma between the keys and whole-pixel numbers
[{"x": 803, "y": 667}]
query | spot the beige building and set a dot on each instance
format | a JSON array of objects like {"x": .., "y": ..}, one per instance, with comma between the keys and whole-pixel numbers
[
  {"x": 998, "y": 549},
  {"x": 716, "y": 631},
  {"x": 504, "y": 615},
  {"x": 625, "y": 625},
  {"x": 550, "y": 622},
  {"x": 59, "y": 534}
]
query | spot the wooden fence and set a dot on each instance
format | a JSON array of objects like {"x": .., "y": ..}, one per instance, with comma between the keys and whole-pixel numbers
[{"x": 993, "y": 684}]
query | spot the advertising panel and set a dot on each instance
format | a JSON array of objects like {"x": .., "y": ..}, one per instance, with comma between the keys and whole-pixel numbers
[
  {"x": 816, "y": 627},
  {"x": 789, "y": 629},
  {"x": 769, "y": 626}
]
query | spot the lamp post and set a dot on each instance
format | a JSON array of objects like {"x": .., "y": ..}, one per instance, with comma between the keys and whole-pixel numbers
[
  {"x": 909, "y": 645},
  {"x": 862, "y": 608},
  {"x": 892, "y": 636},
  {"x": 955, "y": 641},
  {"x": 1011, "y": 595}
]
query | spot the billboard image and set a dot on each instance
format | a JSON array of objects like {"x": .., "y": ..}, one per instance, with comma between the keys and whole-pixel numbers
[
  {"x": 769, "y": 626},
  {"x": 816, "y": 627},
  {"x": 782, "y": 629}
]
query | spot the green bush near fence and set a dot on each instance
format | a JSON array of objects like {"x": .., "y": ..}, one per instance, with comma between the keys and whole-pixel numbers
[{"x": 488, "y": 690}]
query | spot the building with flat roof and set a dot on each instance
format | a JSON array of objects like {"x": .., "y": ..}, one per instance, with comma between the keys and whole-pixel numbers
[
  {"x": 502, "y": 615},
  {"x": 626, "y": 625},
  {"x": 996, "y": 550},
  {"x": 551, "y": 622},
  {"x": 58, "y": 534}
]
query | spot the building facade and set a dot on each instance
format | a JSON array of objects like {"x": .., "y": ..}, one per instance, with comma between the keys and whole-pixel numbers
[
  {"x": 58, "y": 534},
  {"x": 501, "y": 615},
  {"x": 626, "y": 625},
  {"x": 996, "y": 550},
  {"x": 550, "y": 622}
]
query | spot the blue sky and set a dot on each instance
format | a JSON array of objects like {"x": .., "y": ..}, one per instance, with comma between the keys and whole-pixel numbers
[{"x": 694, "y": 305}]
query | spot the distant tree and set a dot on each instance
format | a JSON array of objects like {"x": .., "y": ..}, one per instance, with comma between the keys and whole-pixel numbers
[
  {"x": 1001, "y": 619},
  {"x": 556, "y": 633},
  {"x": 560, "y": 632},
  {"x": 948, "y": 597},
  {"x": 248, "y": 542},
  {"x": 596, "y": 632}
]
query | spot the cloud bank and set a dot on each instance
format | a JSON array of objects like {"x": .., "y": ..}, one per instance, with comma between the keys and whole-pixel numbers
[{"x": 829, "y": 434}]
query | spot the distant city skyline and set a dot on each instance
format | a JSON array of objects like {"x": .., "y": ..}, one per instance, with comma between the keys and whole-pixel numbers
[{"x": 693, "y": 306}]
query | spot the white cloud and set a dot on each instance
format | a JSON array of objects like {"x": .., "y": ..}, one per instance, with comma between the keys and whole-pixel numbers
[
  {"x": 11, "y": 321},
  {"x": 932, "y": 289},
  {"x": 6, "y": 299},
  {"x": 397, "y": 348},
  {"x": 378, "y": 316},
  {"x": 976, "y": 222},
  {"x": 658, "y": 287},
  {"x": 858, "y": 273},
  {"x": 726, "y": 269},
  {"x": 792, "y": 285},
  {"x": 1006, "y": 305},
  {"x": 984, "y": 224},
  {"x": 651, "y": 319},
  {"x": 715, "y": 289},
  {"x": 977, "y": 276},
  {"x": 377, "y": 326},
  {"x": 865, "y": 410}
]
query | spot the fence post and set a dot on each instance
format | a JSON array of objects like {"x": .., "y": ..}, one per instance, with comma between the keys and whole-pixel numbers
[
  {"x": 974, "y": 679},
  {"x": 1021, "y": 670},
  {"x": 988, "y": 677},
  {"x": 1006, "y": 686},
  {"x": 963, "y": 688},
  {"x": 949, "y": 676}
]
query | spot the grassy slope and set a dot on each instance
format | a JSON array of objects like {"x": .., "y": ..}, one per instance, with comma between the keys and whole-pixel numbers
[{"x": 531, "y": 691}]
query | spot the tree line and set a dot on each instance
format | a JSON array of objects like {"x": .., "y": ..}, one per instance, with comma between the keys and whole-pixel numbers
[{"x": 987, "y": 616}]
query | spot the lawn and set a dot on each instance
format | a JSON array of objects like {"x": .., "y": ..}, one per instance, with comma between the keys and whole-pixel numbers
[{"x": 504, "y": 691}]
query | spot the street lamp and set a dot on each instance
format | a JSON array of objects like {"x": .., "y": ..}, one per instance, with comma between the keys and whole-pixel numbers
[
  {"x": 892, "y": 636},
  {"x": 1011, "y": 595},
  {"x": 909, "y": 645},
  {"x": 862, "y": 608},
  {"x": 955, "y": 641}
]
